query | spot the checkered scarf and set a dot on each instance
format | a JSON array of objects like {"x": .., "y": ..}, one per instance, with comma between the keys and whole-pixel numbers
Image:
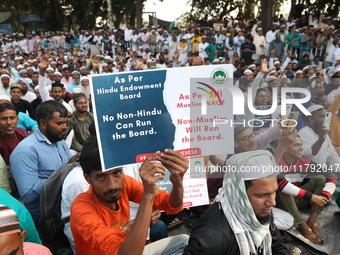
[{"x": 250, "y": 234}]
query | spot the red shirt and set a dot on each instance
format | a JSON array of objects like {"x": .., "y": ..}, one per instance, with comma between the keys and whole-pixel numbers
[
  {"x": 8, "y": 145},
  {"x": 97, "y": 229}
]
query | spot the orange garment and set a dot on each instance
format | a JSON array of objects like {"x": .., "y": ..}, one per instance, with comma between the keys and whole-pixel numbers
[
  {"x": 97, "y": 229},
  {"x": 334, "y": 128}
]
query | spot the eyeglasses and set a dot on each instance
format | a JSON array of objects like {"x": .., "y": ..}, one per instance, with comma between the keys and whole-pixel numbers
[{"x": 247, "y": 138}]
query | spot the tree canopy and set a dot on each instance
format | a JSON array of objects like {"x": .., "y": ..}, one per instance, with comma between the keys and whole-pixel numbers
[{"x": 62, "y": 14}]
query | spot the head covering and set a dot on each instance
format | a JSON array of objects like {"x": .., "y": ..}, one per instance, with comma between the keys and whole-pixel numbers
[
  {"x": 247, "y": 71},
  {"x": 271, "y": 78},
  {"x": 5, "y": 76},
  {"x": 15, "y": 85},
  {"x": 58, "y": 84},
  {"x": 315, "y": 107},
  {"x": 23, "y": 80},
  {"x": 84, "y": 78},
  {"x": 5, "y": 97},
  {"x": 78, "y": 96},
  {"x": 76, "y": 90},
  {"x": 9, "y": 223},
  {"x": 250, "y": 234},
  {"x": 57, "y": 73},
  {"x": 298, "y": 71},
  {"x": 75, "y": 72}
]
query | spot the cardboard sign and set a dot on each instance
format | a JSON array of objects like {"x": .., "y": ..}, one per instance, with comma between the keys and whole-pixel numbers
[{"x": 138, "y": 113}]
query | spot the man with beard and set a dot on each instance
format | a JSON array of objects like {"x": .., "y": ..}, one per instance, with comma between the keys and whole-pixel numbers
[
  {"x": 316, "y": 141},
  {"x": 80, "y": 122},
  {"x": 240, "y": 219},
  {"x": 100, "y": 217},
  {"x": 75, "y": 83},
  {"x": 35, "y": 78},
  {"x": 37, "y": 156},
  {"x": 259, "y": 41},
  {"x": 26, "y": 95},
  {"x": 5, "y": 89}
]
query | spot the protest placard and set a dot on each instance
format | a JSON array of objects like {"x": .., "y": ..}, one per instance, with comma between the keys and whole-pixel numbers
[{"x": 138, "y": 113}]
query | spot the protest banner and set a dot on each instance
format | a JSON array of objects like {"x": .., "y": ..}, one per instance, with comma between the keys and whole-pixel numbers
[{"x": 138, "y": 113}]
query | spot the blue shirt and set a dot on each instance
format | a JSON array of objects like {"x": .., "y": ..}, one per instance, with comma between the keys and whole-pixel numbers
[
  {"x": 26, "y": 122},
  {"x": 72, "y": 86},
  {"x": 32, "y": 162}
]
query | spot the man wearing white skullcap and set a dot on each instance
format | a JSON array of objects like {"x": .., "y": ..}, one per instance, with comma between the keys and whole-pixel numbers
[
  {"x": 240, "y": 220},
  {"x": 316, "y": 141}
]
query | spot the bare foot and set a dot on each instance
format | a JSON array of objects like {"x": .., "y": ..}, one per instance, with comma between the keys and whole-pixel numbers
[
  {"x": 316, "y": 231},
  {"x": 307, "y": 232}
]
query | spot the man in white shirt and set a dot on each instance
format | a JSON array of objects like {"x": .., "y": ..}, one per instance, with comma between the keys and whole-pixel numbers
[
  {"x": 270, "y": 35},
  {"x": 316, "y": 141},
  {"x": 201, "y": 47}
]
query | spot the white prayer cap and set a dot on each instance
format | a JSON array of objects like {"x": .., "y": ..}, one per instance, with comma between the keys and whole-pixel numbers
[
  {"x": 23, "y": 71},
  {"x": 76, "y": 90},
  {"x": 53, "y": 62},
  {"x": 259, "y": 28},
  {"x": 271, "y": 72},
  {"x": 20, "y": 66},
  {"x": 265, "y": 164},
  {"x": 105, "y": 64},
  {"x": 5, "y": 97},
  {"x": 283, "y": 25},
  {"x": 276, "y": 62},
  {"x": 57, "y": 73},
  {"x": 247, "y": 71},
  {"x": 64, "y": 66},
  {"x": 298, "y": 71},
  {"x": 315, "y": 107},
  {"x": 5, "y": 76},
  {"x": 84, "y": 78},
  {"x": 36, "y": 88},
  {"x": 107, "y": 57},
  {"x": 238, "y": 29},
  {"x": 251, "y": 66},
  {"x": 29, "y": 68},
  {"x": 216, "y": 60},
  {"x": 50, "y": 69},
  {"x": 82, "y": 67},
  {"x": 34, "y": 60},
  {"x": 75, "y": 72}
]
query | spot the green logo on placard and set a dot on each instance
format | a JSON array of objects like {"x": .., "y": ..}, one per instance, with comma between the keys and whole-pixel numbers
[{"x": 219, "y": 76}]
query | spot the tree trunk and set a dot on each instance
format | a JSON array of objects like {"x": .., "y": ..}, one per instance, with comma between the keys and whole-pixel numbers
[
  {"x": 292, "y": 8},
  {"x": 139, "y": 14},
  {"x": 267, "y": 14}
]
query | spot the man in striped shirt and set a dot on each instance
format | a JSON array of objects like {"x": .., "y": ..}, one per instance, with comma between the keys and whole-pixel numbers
[{"x": 300, "y": 183}]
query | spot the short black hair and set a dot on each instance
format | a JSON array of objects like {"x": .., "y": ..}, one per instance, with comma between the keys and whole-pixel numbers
[
  {"x": 248, "y": 184},
  {"x": 46, "y": 109},
  {"x": 7, "y": 106},
  {"x": 89, "y": 158}
]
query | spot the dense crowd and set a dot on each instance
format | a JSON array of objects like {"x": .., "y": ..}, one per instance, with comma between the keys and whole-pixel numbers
[{"x": 46, "y": 122}]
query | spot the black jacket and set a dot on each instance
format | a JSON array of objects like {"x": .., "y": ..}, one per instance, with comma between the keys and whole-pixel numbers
[{"x": 213, "y": 235}]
